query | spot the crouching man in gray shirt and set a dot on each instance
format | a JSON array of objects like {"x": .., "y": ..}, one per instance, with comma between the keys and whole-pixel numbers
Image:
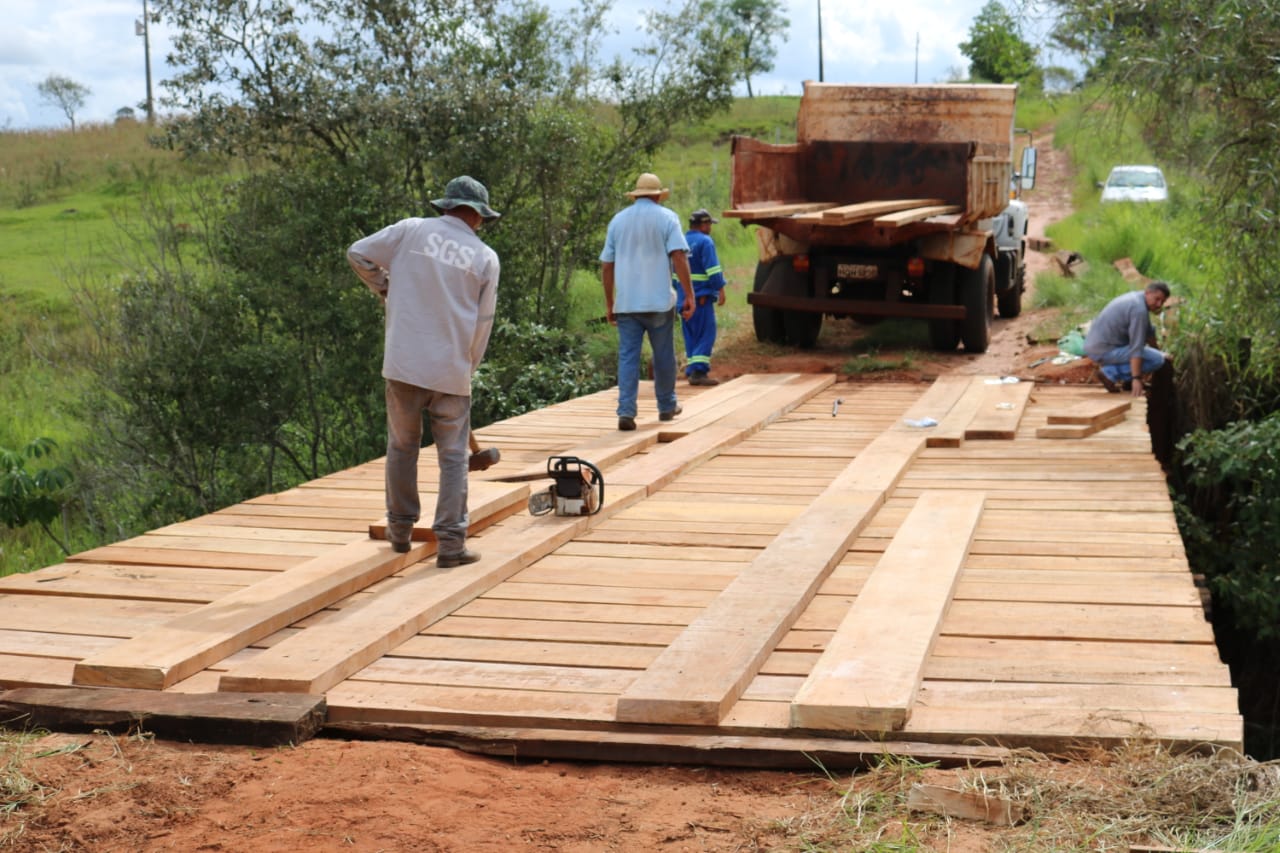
[
  {"x": 440, "y": 285},
  {"x": 1121, "y": 338}
]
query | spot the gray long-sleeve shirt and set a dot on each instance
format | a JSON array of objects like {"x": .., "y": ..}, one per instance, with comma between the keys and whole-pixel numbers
[
  {"x": 1124, "y": 322},
  {"x": 440, "y": 301}
]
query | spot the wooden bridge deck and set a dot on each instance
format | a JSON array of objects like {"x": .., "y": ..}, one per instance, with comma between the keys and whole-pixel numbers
[{"x": 788, "y": 569}]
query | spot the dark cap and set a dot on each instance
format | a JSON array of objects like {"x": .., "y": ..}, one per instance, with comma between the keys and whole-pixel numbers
[
  {"x": 700, "y": 216},
  {"x": 466, "y": 190}
]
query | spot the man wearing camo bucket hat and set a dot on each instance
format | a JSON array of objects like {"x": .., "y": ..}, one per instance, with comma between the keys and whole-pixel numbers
[{"x": 439, "y": 316}]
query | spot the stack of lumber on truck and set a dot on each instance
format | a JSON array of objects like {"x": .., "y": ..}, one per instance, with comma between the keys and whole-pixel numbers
[{"x": 883, "y": 214}]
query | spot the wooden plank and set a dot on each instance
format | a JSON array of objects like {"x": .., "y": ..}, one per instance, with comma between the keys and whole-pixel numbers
[
  {"x": 1000, "y": 411},
  {"x": 162, "y": 656},
  {"x": 1089, "y": 411},
  {"x": 869, "y": 674},
  {"x": 661, "y": 747},
  {"x": 1170, "y": 698},
  {"x": 316, "y": 659},
  {"x": 773, "y": 210},
  {"x": 706, "y": 669},
  {"x": 906, "y": 217},
  {"x": 1068, "y": 730},
  {"x": 251, "y": 719},
  {"x": 849, "y": 213},
  {"x": 1080, "y": 430},
  {"x": 968, "y": 805},
  {"x": 952, "y": 423}
]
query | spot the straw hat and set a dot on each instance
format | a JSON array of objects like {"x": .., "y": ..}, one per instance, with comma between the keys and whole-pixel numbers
[{"x": 649, "y": 185}]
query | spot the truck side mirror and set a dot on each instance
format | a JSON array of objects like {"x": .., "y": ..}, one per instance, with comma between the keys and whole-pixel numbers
[{"x": 1028, "y": 172}]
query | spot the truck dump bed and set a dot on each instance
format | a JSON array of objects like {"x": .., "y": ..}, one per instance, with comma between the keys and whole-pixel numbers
[{"x": 934, "y": 157}]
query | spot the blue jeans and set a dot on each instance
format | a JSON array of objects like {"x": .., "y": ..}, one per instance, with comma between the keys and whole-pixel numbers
[
  {"x": 1115, "y": 364},
  {"x": 660, "y": 327}
]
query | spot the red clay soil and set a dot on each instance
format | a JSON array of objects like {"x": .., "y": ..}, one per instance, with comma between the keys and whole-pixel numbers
[{"x": 104, "y": 793}]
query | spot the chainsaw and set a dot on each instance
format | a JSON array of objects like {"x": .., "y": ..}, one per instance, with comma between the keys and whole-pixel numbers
[{"x": 578, "y": 488}]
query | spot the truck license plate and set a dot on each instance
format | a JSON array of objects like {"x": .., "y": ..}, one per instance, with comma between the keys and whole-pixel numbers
[{"x": 857, "y": 271}]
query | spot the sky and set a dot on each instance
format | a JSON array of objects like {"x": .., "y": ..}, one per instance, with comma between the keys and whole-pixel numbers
[{"x": 94, "y": 43}]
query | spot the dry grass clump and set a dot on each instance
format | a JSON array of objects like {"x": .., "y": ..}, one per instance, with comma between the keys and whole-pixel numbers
[
  {"x": 1144, "y": 793},
  {"x": 1096, "y": 800}
]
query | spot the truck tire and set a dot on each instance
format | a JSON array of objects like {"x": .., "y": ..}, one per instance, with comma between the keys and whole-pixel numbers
[
  {"x": 977, "y": 294},
  {"x": 1011, "y": 276},
  {"x": 802, "y": 328},
  {"x": 767, "y": 321},
  {"x": 943, "y": 334}
]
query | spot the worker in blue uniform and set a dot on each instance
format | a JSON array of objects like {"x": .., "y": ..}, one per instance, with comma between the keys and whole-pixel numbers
[{"x": 708, "y": 292}]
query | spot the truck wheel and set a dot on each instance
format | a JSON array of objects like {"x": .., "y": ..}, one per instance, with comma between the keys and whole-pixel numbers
[
  {"x": 802, "y": 328},
  {"x": 1011, "y": 276},
  {"x": 767, "y": 321},
  {"x": 977, "y": 294},
  {"x": 943, "y": 334}
]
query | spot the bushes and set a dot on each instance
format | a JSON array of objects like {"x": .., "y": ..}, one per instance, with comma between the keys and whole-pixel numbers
[
  {"x": 1229, "y": 514},
  {"x": 528, "y": 366}
]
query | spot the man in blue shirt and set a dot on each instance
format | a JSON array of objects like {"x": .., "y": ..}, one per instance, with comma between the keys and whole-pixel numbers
[
  {"x": 708, "y": 292},
  {"x": 1120, "y": 338},
  {"x": 642, "y": 248}
]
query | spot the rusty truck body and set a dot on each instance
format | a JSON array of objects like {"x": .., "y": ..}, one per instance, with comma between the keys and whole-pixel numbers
[{"x": 887, "y": 205}]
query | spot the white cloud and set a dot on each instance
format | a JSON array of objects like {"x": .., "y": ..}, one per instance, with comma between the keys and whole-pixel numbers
[{"x": 93, "y": 42}]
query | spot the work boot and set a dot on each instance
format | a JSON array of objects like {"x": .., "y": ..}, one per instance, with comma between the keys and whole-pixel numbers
[
  {"x": 666, "y": 416},
  {"x": 626, "y": 424},
  {"x": 1112, "y": 387},
  {"x": 449, "y": 561},
  {"x": 702, "y": 379},
  {"x": 400, "y": 535}
]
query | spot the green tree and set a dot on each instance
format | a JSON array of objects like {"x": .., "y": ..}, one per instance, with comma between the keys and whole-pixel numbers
[
  {"x": 753, "y": 25},
  {"x": 254, "y": 363},
  {"x": 997, "y": 51},
  {"x": 65, "y": 94},
  {"x": 1199, "y": 78},
  {"x": 515, "y": 96},
  {"x": 32, "y": 497}
]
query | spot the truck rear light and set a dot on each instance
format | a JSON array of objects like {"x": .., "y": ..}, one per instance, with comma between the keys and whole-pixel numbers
[
  {"x": 915, "y": 267},
  {"x": 800, "y": 263}
]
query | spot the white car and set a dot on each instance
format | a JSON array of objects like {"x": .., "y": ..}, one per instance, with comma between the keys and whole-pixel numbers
[{"x": 1135, "y": 183}]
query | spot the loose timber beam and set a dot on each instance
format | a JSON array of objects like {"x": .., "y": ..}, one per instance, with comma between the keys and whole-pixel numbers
[
  {"x": 255, "y": 720},
  {"x": 776, "y": 209},
  {"x": 906, "y": 217},
  {"x": 161, "y": 657},
  {"x": 999, "y": 411},
  {"x": 868, "y": 676},
  {"x": 704, "y": 671},
  {"x": 321, "y": 656},
  {"x": 1085, "y": 418},
  {"x": 951, "y": 424},
  {"x": 849, "y": 213}
]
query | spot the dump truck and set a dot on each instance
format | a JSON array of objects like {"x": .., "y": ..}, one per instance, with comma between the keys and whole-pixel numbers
[{"x": 889, "y": 204}]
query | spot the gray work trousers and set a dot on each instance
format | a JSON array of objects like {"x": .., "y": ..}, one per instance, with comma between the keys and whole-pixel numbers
[{"x": 450, "y": 419}]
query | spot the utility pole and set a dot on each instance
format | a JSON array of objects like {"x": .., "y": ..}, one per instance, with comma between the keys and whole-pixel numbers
[
  {"x": 917, "y": 54},
  {"x": 819, "y": 41},
  {"x": 143, "y": 28}
]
